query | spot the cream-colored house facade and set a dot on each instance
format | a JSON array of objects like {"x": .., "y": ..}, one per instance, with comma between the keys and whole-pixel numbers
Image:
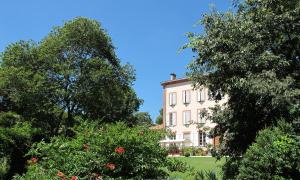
[{"x": 185, "y": 113}]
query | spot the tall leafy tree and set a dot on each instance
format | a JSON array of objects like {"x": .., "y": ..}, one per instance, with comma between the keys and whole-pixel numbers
[
  {"x": 159, "y": 118},
  {"x": 142, "y": 118},
  {"x": 253, "y": 56},
  {"x": 73, "y": 72}
]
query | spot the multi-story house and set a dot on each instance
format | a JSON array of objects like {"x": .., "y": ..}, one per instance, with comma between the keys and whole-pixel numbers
[{"x": 185, "y": 111}]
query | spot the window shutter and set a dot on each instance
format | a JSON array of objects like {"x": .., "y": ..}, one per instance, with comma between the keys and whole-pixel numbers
[
  {"x": 170, "y": 99},
  {"x": 188, "y": 117},
  {"x": 199, "y": 95},
  {"x": 174, "y": 98},
  {"x": 184, "y": 117},
  {"x": 167, "y": 120},
  {"x": 198, "y": 116},
  {"x": 203, "y": 95},
  {"x": 174, "y": 119},
  {"x": 188, "y": 96}
]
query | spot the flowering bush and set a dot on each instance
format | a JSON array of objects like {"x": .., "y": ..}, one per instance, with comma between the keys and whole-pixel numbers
[{"x": 112, "y": 151}]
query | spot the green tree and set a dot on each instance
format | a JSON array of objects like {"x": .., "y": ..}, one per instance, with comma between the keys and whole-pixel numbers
[
  {"x": 73, "y": 72},
  {"x": 159, "y": 118},
  {"x": 142, "y": 118},
  {"x": 253, "y": 56}
]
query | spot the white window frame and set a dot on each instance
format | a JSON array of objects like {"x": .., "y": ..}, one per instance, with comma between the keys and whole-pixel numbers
[
  {"x": 172, "y": 98},
  {"x": 186, "y": 96},
  {"x": 202, "y": 138},
  {"x": 172, "y": 119},
  {"x": 201, "y": 95},
  {"x": 200, "y": 116},
  {"x": 185, "y": 116}
]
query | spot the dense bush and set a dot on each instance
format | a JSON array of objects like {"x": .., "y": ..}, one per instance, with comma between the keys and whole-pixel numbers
[
  {"x": 15, "y": 138},
  {"x": 113, "y": 151},
  {"x": 177, "y": 165},
  {"x": 193, "y": 151},
  {"x": 205, "y": 175},
  {"x": 276, "y": 154},
  {"x": 173, "y": 149}
]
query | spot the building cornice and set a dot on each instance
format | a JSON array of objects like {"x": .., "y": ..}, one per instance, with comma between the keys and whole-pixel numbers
[{"x": 176, "y": 81}]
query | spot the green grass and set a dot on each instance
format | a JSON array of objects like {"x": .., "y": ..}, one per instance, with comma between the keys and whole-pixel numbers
[{"x": 198, "y": 163}]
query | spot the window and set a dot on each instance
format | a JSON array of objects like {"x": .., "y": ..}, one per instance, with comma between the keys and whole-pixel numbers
[
  {"x": 187, "y": 136},
  {"x": 210, "y": 95},
  {"x": 172, "y": 99},
  {"x": 202, "y": 138},
  {"x": 186, "y": 117},
  {"x": 201, "y": 113},
  {"x": 171, "y": 121},
  {"x": 201, "y": 95},
  {"x": 186, "y": 96}
]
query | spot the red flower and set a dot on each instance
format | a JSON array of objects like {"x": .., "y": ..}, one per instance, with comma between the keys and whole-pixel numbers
[
  {"x": 34, "y": 160},
  {"x": 85, "y": 147},
  {"x": 119, "y": 150},
  {"x": 110, "y": 166},
  {"x": 60, "y": 174},
  {"x": 73, "y": 178}
]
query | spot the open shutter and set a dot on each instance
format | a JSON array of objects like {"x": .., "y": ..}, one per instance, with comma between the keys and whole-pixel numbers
[
  {"x": 188, "y": 114},
  {"x": 174, "y": 119},
  {"x": 198, "y": 116},
  {"x": 170, "y": 99},
  {"x": 174, "y": 99},
  {"x": 184, "y": 117},
  {"x": 203, "y": 94},
  {"x": 188, "y": 96},
  {"x": 183, "y": 97},
  {"x": 199, "y": 95},
  {"x": 167, "y": 120}
]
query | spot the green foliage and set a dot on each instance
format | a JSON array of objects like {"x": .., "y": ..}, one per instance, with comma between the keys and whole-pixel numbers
[
  {"x": 252, "y": 56},
  {"x": 134, "y": 153},
  {"x": 142, "y": 118},
  {"x": 177, "y": 165},
  {"x": 73, "y": 73},
  {"x": 173, "y": 149},
  {"x": 275, "y": 154},
  {"x": 15, "y": 139},
  {"x": 205, "y": 175},
  {"x": 159, "y": 118}
]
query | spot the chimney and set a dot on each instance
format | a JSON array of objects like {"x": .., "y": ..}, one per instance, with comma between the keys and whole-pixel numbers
[{"x": 173, "y": 76}]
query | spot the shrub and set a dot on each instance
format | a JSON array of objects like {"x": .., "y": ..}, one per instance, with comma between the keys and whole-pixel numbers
[
  {"x": 276, "y": 154},
  {"x": 173, "y": 149},
  {"x": 198, "y": 152},
  {"x": 177, "y": 165},
  {"x": 187, "y": 151},
  {"x": 112, "y": 151},
  {"x": 205, "y": 175},
  {"x": 187, "y": 154}
]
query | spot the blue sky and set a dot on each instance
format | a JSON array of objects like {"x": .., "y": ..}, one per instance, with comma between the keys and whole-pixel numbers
[{"x": 147, "y": 33}]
